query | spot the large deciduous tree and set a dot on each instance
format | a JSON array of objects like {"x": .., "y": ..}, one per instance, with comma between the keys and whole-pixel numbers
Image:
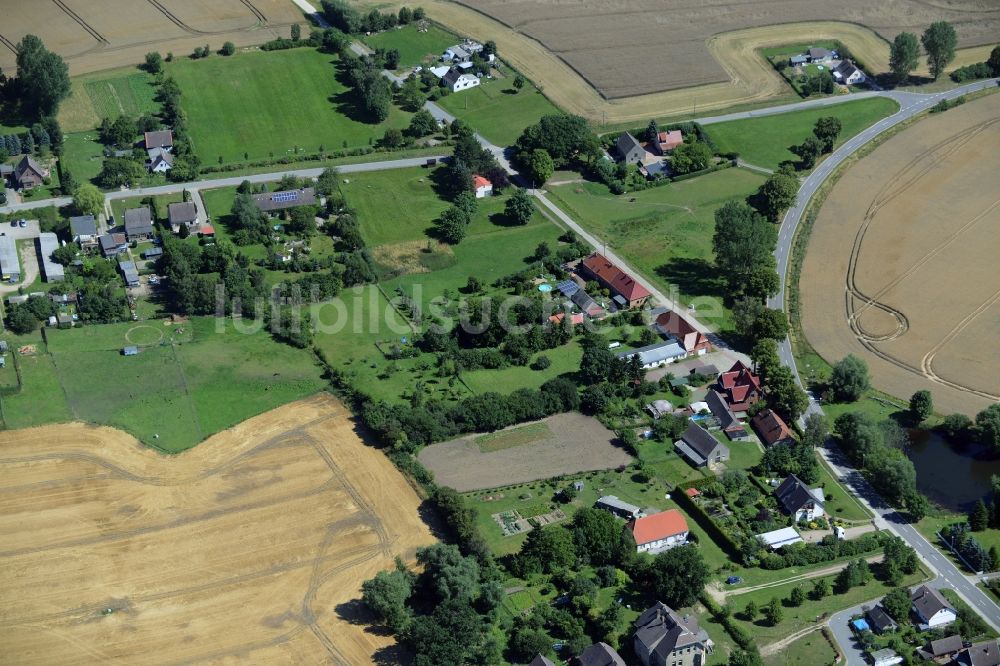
[
  {"x": 776, "y": 195},
  {"x": 939, "y": 40},
  {"x": 678, "y": 576},
  {"x": 88, "y": 200},
  {"x": 743, "y": 242},
  {"x": 904, "y": 55},
  {"x": 43, "y": 77},
  {"x": 826, "y": 131},
  {"x": 849, "y": 378}
]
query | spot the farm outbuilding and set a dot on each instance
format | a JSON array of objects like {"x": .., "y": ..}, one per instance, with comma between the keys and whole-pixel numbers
[{"x": 130, "y": 351}]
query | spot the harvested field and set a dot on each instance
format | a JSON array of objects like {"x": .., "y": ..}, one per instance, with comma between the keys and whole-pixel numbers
[
  {"x": 725, "y": 38},
  {"x": 575, "y": 443},
  {"x": 250, "y": 548},
  {"x": 100, "y": 35},
  {"x": 902, "y": 263}
]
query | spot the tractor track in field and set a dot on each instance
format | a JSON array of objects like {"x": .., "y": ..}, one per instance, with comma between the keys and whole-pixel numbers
[
  {"x": 895, "y": 187},
  {"x": 79, "y": 21}
]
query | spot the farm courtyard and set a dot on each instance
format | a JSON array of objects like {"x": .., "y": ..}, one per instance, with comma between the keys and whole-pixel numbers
[{"x": 892, "y": 233}]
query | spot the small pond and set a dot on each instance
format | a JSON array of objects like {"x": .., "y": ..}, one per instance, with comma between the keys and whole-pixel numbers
[{"x": 953, "y": 475}]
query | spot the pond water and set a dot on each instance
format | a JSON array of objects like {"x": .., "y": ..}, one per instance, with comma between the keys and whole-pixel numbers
[{"x": 953, "y": 475}]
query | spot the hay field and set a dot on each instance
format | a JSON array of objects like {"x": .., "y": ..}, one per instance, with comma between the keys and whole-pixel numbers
[
  {"x": 901, "y": 268},
  {"x": 728, "y": 52},
  {"x": 249, "y": 549},
  {"x": 93, "y": 36}
]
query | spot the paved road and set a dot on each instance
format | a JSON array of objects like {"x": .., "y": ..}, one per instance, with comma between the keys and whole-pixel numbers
[
  {"x": 948, "y": 575},
  {"x": 902, "y": 98},
  {"x": 232, "y": 181}
]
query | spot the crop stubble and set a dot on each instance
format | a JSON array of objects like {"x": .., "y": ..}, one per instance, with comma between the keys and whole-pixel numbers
[
  {"x": 726, "y": 44},
  {"x": 901, "y": 266},
  {"x": 251, "y": 546},
  {"x": 93, "y": 36}
]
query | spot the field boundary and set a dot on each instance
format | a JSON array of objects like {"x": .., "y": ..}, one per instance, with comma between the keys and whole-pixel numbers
[
  {"x": 800, "y": 241},
  {"x": 752, "y": 80}
]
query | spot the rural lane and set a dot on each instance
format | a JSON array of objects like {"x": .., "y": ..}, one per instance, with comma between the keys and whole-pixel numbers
[
  {"x": 232, "y": 181},
  {"x": 948, "y": 575}
]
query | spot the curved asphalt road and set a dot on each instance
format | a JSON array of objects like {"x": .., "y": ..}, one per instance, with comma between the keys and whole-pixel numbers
[{"x": 948, "y": 575}]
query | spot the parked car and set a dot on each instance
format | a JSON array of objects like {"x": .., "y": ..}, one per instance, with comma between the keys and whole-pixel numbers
[
  {"x": 734, "y": 580},
  {"x": 23, "y": 223}
]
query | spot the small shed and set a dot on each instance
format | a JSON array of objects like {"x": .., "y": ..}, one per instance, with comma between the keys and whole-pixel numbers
[{"x": 130, "y": 351}]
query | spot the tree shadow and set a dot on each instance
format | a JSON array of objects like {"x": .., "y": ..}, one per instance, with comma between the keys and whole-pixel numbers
[
  {"x": 509, "y": 91},
  {"x": 694, "y": 276},
  {"x": 501, "y": 219},
  {"x": 440, "y": 183},
  {"x": 347, "y": 102},
  {"x": 355, "y": 612},
  {"x": 392, "y": 655}
]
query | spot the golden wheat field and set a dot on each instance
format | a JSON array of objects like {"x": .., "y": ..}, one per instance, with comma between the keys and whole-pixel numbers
[{"x": 249, "y": 548}]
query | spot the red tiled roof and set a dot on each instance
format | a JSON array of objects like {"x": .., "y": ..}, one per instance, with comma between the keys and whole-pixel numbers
[
  {"x": 575, "y": 318},
  {"x": 770, "y": 427},
  {"x": 738, "y": 385},
  {"x": 670, "y": 140},
  {"x": 615, "y": 278},
  {"x": 658, "y": 526},
  {"x": 206, "y": 230},
  {"x": 479, "y": 181},
  {"x": 677, "y": 326},
  {"x": 692, "y": 492}
]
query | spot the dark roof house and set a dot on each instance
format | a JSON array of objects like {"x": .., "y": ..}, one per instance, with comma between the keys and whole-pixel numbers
[
  {"x": 541, "y": 660},
  {"x": 82, "y": 227},
  {"x": 138, "y": 223},
  {"x": 113, "y": 244},
  {"x": 28, "y": 173},
  {"x": 661, "y": 636},
  {"x": 185, "y": 213},
  {"x": 158, "y": 139},
  {"x": 727, "y": 420},
  {"x": 598, "y": 654},
  {"x": 275, "y": 201},
  {"x": 986, "y": 653},
  {"x": 798, "y": 499},
  {"x": 931, "y": 607},
  {"x": 941, "y": 648},
  {"x": 629, "y": 149},
  {"x": 880, "y": 621},
  {"x": 700, "y": 447}
]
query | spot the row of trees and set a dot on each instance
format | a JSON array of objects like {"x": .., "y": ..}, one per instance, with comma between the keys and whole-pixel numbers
[
  {"x": 344, "y": 17},
  {"x": 372, "y": 90},
  {"x": 825, "y": 134},
  {"x": 42, "y": 138},
  {"x": 876, "y": 448},
  {"x": 939, "y": 41}
]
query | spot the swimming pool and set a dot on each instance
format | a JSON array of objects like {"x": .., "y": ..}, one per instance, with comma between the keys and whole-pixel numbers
[{"x": 545, "y": 288}]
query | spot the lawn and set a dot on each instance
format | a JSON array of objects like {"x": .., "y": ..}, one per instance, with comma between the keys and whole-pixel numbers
[
  {"x": 415, "y": 47},
  {"x": 764, "y": 140},
  {"x": 797, "y": 618},
  {"x": 497, "y": 110},
  {"x": 565, "y": 362},
  {"x": 396, "y": 205},
  {"x": 665, "y": 232},
  {"x": 187, "y": 382},
  {"x": 812, "y": 648},
  {"x": 42, "y": 399},
  {"x": 83, "y": 155},
  {"x": 109, "y": 94},
  {"x": 270, "y": 104},
  {"x": 843, "y": 505}
]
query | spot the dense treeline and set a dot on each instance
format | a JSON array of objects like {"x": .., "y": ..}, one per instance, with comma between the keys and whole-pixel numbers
[
  {"x": 876, "y": 448},
  {"x": 344, "y": 17}
]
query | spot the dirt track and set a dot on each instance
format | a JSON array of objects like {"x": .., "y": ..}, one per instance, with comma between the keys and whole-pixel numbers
[
  {"x": 92, "y": 35},
  {"x": 250, "y": 547},
  {"x": 901, "y": 266}
]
